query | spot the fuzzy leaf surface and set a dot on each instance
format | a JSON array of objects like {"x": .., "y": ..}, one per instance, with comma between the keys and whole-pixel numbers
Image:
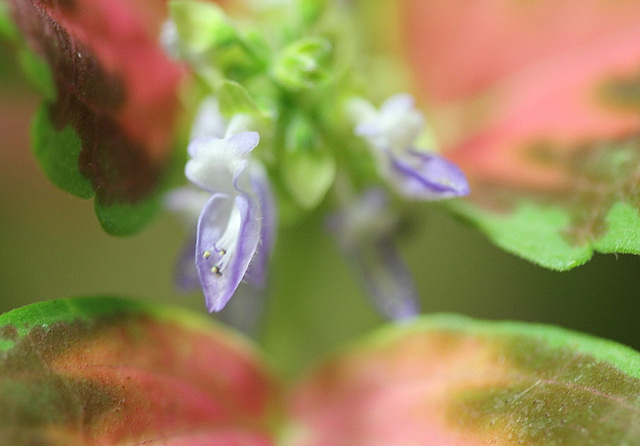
[
  {"x": 104, "y": 371},
  {"x": 448, "y": 380}
]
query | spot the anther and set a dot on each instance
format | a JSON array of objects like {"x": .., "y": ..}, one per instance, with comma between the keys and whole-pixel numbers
[
  {"x": 206, "y": 254},
  {"x": 216, "y": 270},
  {"x": 222, "y": 252}
]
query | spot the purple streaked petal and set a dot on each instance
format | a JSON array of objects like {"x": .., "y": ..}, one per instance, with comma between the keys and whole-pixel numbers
[
  {"x": 213, "y": 222},
  {"x": 427, "y": 176},
  {"x": 386, "y": 278},
  {"x": 262, "y": 189}
]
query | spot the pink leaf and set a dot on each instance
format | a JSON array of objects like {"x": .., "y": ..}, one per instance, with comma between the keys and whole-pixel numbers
[
  {"x": 447, "y": 380},
  {"x": 538, "y": 103}
]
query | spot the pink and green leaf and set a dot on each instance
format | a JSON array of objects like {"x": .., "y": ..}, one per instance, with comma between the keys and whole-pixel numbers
[
  {"x": 111, "y": 99},
  {"x": 103, "y": 371},
  {"x": 447, "y": 380},
  {"x": 7, "y": 28},
  {"x": 538, "y": 103}
]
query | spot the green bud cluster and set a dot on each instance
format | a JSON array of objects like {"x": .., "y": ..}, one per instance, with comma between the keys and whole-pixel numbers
[{"x": 290, "y": 65}]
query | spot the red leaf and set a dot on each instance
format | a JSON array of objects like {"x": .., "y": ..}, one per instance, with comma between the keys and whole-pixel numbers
[
  {"x": 131, "y": 377},
  {"x": 115, "y": 86}
]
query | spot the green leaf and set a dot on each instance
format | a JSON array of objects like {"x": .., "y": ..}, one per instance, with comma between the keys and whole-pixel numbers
[
  {"x": 308, "y": 169},
  {"x": 202, "y": 26},
  {"x": 122, "y": 219},
  {"x": 38, "y": 72},
  {"x": 109, "y": 371},
  {"x": 302, "y": 64},
  {"x": 308, "y": 176},
  {"x": 448, "y": 380},
  {"x": 58, "y": 153},
  {"x": 539, "y": 232},
  {"x": 311, "y": 10},
  {"x": 233, "y": 98},
  {"x": 7, "y": 28}
]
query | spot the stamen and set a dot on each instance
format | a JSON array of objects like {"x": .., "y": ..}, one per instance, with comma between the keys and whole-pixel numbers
[
  {"x": 206, "y": 254},
  {"x": 222, "y": 252},
  {"x": 216, "y": 270}
]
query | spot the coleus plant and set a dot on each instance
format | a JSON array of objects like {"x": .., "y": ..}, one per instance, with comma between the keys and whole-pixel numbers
[
  {"x": 537, "y": 103},
  {"x": 105, "y": 371},
  {"x": 284, "y": 126}
]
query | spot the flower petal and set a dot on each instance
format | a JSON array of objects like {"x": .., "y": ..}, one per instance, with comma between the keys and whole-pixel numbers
[
  {"x": 216, "y": 163},
  {"x": 364, "y": 231},
  {"x": 218, "y": 287},
  {"x": 426, "y": 176},
  {"x": 387, "y": 279},
  {"x": 268, "y": 224},
  {"x": 186, "y": 202},
  {"x": 398, "y": 103},
  {"x": 394, "y": 127},
  {"x": 209, "y": 122}
]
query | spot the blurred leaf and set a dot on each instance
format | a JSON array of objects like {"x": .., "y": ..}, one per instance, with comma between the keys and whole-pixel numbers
[
  {"x": 108, "y": 371},
  {"x": 308, "y": 176},
  {"x": 58, "y": 152},
  {"x": 447, "y": 380},
  {"x": 100, "y": 56},
  {"x": 7, "y": 28},
  {"x": 39, "y": 74},
  {"x": 302, "y": 64},
  {"x": 311, "y": 10},
  {"x": 126, "y": 219},
  {"x": 538, "y": 103},
  {"x": 234, "y": 98},
  {"x": 202, "y": 26},
  {"x": 308, "y": 169}
]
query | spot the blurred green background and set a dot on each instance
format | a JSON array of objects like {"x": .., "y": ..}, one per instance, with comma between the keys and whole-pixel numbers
[{"x": 51, "y": 246}]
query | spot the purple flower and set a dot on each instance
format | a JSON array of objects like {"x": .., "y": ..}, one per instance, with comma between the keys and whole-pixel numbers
[
  {"x": 236, "y": 221},
  {"x": 364, "y": 232},
  {"x": 392, "y": 133}
]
